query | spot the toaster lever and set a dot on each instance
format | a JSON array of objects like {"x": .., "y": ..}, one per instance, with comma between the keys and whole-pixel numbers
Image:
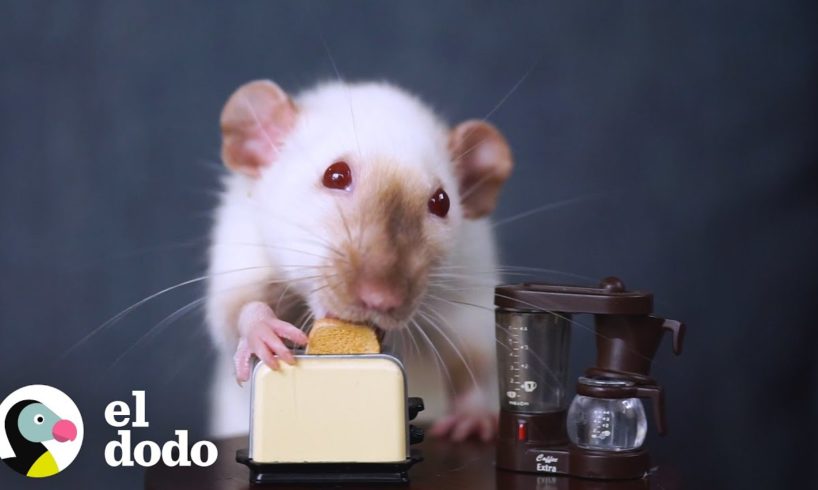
[
  {"x": 415, "y": 434},
  {"x": 415, "y": 405}
]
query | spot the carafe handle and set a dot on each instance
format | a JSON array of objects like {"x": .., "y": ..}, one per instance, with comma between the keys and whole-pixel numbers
[
  {"x": 678, "y": 330},
  {"x": 657, "y": 397}
]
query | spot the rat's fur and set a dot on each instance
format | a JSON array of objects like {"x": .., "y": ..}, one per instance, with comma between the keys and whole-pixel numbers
[{"x": 284, "y": 239}]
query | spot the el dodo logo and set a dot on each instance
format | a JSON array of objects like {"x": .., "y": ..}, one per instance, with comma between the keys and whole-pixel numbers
[{"x": 42, "y": 431}]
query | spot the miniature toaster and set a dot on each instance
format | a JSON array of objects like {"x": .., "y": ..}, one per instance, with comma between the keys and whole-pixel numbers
[{"x": 332, "y": 418}]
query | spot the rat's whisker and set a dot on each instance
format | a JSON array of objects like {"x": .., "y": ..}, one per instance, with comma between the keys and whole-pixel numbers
[
  {"x": 404, "y": 349},
  {"x": 429, "y": 309},
  {"x": 521, "y": 270},
  {"x": 568, "y": 319},
  {"x": 260, "y": 126},
  {"x": 394, "y": 341},
  {"x": 482, "y": 180},
  {"x": 509, "y": 270},
  {"x": 537, "y": 358},
  {"x": 451, "y": 274},
  {"x": 325, "y": 285},
  {"x": 328, "y": 284},
  {"x": 138, "y": 252},
  {"x": 502, "y": 101},
  {"x": 537, "y": 308},
  {"x": 454, "y": 347},
  {"x": 282, "y": 295},
  {"x": 106, "y": 324},
  {"x": 191, "y": 355},
  {"x": 444, "y": 279},
  {"x": 307, "y": 322},
  {"x": 550, "y": 207},
  {"x": 346, "y": 92},
  {"x": 436, "y": 356},
  {"x": 414, "y": 347},
  {"x": 533, "y": 354},
  {"x": 344, "y": 221},
  {"x": 316, "y": 238},
  {"x": 274, "y": 247},
  {"x": 414, "y": 340},
  {"x": 179, "y": 313},
  {"x": 457, "y": 302}
]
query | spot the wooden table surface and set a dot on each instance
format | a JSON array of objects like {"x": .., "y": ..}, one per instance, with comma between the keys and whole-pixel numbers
[{"x": 446, "y": 465}]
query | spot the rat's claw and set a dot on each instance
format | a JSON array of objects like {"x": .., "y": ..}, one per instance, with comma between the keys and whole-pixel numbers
[
  {"x": 241, "y": 362},
  {"x": 261, "y": 334},
  {"x": 470, "y": 417},
  {"x": 288, "y": 331},
  {"x": 460, "y": 427},
  {"x": 267, "y": 357},
  {"x": 464, "y": 428},
  {"x": 443, "y": 426},
  {"x": 269, "y": 341},
  {"x": 488, "y": 428}
]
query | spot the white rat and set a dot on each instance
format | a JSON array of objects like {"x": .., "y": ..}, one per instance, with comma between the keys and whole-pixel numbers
[{"x": 355, "y": 201}]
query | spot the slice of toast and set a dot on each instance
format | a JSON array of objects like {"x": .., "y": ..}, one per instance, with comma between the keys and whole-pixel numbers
[{"x": 331, "y": 336}]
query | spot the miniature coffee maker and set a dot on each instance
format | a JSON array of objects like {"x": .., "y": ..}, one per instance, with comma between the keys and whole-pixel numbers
[{"x": 601, "y": 435}]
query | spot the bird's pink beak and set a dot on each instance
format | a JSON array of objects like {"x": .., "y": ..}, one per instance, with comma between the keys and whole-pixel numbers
[{"x": 64, "y": 430}]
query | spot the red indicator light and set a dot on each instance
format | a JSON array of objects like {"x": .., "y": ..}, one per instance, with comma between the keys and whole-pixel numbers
[{"x": 522, "y": 433}]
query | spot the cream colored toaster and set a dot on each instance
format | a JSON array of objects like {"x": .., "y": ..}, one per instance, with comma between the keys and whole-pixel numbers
[{"x": 332, "y": 418}]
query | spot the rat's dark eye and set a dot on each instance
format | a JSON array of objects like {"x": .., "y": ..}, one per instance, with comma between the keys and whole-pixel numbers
[
  {"x": 338, "y": 176},
  {"x": 439, "y": 203},
  {"x": 39, "y": 419}
]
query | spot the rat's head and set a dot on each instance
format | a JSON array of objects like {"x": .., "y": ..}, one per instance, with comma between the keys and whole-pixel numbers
[{"x": 359, "y": 190}]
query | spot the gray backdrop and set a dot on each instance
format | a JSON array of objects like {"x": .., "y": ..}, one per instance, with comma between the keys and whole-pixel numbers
[{"x": 687, "y": 130}]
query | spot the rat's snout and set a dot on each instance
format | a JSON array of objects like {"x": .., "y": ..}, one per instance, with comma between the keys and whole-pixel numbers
[
  {"x": 387, "y": 254},
  {"x": 380, "y": 283},
  {"x": 380, "y": 296}
]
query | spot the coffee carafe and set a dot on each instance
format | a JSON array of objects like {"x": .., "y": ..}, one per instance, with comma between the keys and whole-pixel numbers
[{"x": 601, "y": 434}]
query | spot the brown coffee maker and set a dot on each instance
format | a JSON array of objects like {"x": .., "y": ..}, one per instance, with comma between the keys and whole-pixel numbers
[{"x": 600, "y": 435}]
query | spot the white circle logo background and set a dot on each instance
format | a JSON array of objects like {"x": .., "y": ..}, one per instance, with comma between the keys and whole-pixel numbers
[{"x": 62, "y": 405}]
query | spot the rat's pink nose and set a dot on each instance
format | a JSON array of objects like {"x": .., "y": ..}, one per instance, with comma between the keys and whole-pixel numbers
[
  {"x": 379, "y": 297},
  {"x": 64, "y": 430}
]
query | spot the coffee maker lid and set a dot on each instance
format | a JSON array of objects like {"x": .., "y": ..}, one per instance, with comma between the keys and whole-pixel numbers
[{"x": 610, "y": 298}]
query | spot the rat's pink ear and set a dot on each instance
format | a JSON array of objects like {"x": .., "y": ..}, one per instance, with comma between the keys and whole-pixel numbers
[
  {"x": 483, "y": 162},
  {"x": 255, "y": 120}
]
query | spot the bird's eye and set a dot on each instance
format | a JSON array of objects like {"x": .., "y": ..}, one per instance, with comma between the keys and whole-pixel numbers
[
  {"x": 338, "y": 176},
  {"x": 439, "y": 203},
  {"x": 39, "y": 419}
]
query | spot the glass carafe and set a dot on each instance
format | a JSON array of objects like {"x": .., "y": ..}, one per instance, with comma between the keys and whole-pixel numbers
[{"x": 608, "y": 415}]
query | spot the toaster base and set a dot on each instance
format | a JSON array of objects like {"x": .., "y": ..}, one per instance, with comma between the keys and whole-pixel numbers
[{"x": 261, "y": 473}]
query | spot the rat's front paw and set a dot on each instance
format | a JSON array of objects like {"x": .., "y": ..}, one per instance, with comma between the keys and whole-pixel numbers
[
  {"x": 470, "y": 416},
  {"x": 261, "y": 334}
]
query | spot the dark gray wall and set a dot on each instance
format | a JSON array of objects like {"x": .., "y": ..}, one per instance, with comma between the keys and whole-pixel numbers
[{"x": 691, "y": 124}]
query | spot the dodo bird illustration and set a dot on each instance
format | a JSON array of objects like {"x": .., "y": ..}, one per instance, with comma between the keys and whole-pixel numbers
[{"x": 29, "y": 423}]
